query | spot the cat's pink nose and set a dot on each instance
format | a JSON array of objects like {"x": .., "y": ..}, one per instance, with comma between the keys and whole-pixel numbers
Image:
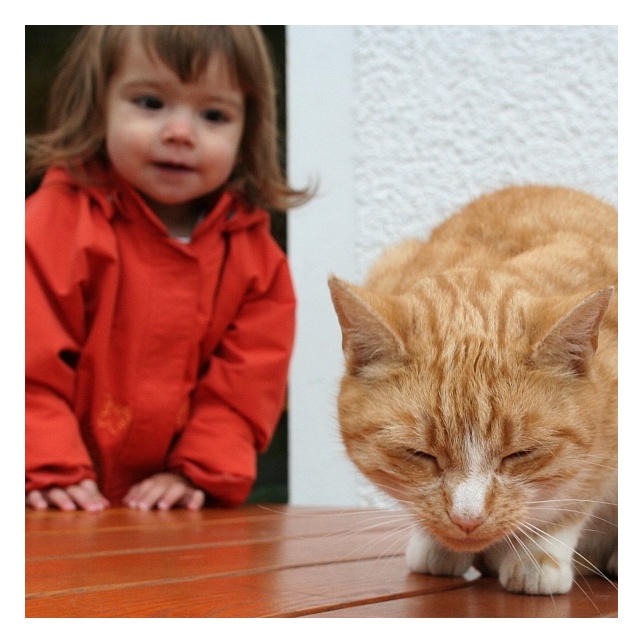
[{"x": 467, "y": 524}]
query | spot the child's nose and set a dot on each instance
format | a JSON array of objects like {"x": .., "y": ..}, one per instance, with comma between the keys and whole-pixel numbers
[{"x": 178, "y": 129}]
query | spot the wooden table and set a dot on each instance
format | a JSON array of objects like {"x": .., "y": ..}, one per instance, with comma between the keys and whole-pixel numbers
[{"x": 276, "y": 561}]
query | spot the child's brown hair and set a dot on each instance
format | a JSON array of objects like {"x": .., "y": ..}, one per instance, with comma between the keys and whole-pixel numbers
[{"x": 76, "y": 118}]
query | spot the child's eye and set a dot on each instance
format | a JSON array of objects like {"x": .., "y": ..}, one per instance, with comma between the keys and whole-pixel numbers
[
  {"x": 214, "y": 116},
  {"x": 149, "y": 102}
]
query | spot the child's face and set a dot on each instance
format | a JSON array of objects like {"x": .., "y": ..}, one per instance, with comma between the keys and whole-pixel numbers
[{"x": 173, "y": 141}]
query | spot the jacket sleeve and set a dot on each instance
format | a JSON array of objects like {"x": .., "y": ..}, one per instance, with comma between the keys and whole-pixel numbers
[
  {"x": 238, "y": 402},
  {"x": 55, "y": 313}
]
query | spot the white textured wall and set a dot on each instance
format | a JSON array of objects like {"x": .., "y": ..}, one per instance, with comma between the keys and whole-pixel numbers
[
  {"x": 401, "y": 125},
  {"x": 444, "y": 113}
]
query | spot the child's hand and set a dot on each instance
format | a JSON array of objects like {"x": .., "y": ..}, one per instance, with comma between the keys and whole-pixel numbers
[
  {"x": 163, "y": 491},
  {"x": 84, "y": 495}
]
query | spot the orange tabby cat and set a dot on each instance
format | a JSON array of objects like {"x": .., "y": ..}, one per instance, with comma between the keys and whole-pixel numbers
[{"x": 481, "y": 387}]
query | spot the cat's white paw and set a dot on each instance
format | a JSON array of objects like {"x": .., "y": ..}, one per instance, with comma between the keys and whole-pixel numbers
[
  {"x": 536, "y": 573},
  {"x": 426, "y": 556}
]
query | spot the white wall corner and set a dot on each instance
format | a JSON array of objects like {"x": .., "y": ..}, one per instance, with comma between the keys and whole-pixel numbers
[{"x": 320, "y": 241}]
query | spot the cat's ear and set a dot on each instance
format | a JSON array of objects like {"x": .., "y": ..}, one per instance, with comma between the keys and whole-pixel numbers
[
  {"x": 367, "y": 338},
  {"x": 571, "y": 342}
]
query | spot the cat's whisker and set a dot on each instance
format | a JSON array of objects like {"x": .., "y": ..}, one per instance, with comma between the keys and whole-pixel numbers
[
  {"x": 379, "y": 525},
  {"x": 379, "y": 519},
  {"x": 577, "y": 582},
  {"x": 582, "y": 513},
  {"x": 571, "y": 500},
  {"x": 596, "y": 460},
  {"x": 372, "y": 521}
]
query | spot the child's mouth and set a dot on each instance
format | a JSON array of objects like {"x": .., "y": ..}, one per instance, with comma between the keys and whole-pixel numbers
[{"x": 173, "y": 167}]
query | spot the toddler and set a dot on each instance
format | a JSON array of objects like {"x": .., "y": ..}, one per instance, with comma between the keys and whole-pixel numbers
[{"x": 159, "y": 310}]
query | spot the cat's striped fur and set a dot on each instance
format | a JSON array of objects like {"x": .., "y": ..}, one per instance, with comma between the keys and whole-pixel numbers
[{"x": 481, "y": 387}]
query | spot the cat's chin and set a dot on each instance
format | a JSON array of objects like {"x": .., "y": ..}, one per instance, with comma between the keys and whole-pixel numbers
[{"x": 469, "y": 543}]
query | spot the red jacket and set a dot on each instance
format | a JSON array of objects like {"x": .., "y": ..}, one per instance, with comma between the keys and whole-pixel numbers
[{"x": 144, "y": 354}]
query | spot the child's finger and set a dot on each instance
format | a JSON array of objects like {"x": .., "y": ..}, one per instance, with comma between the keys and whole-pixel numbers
[
  {"x": 36, "y": 500},
  {"x": 87, "y": 496},
  {"x": 61, "y": 499},
  {"x": 173, "y": 494},
  {"x": 194, "y": 499},
  {"x": 138, "y": 497}
]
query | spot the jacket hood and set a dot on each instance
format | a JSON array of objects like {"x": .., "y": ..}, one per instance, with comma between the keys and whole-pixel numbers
[{"x": 108, "y": 191}]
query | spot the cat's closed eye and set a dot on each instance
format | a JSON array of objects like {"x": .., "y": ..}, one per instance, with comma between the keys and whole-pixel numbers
[
  {"x": 519, "y": 459},
  {"x": 519, "y": 455},
  {"x": 421, "y": 456}
]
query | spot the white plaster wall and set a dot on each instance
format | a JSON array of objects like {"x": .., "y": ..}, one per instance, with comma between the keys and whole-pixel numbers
[{"x": 401, "y": 125}]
